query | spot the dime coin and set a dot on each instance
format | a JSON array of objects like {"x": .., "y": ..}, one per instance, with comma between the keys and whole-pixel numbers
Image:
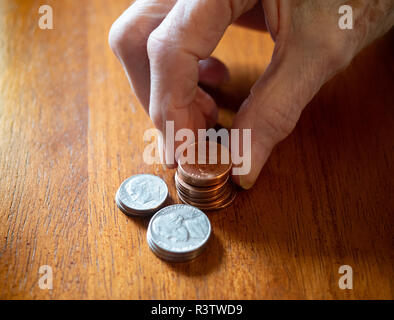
[
  {"x": 178, "y": 232},
  {"x": 141, "y": 194}
]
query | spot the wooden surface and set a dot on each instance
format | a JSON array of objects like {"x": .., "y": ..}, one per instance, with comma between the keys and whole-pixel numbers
[{"x": 71, "y": 132}]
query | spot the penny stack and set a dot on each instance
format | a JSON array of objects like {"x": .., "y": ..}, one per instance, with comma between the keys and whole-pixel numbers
[{"x": 202, "y": 178}]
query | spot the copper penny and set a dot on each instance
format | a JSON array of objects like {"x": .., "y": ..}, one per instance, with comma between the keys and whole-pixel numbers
[
  {"x": 200, "y": 191},
  {"x": 216, "y": 205},
  {"x": 204, "y": 164},
  {"x": 206, "y": 198}
]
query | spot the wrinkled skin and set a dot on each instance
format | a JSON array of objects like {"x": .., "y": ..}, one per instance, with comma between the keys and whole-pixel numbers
[{"x": 165, "y": 47}]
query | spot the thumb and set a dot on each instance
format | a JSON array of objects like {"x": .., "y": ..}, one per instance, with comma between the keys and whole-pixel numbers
[{"x": 275, "y": 103}]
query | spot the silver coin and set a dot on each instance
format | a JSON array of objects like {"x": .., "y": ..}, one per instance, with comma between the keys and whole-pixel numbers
[
  {"x": 141, "y": 194},
  {"x": 178, "y": 232}
]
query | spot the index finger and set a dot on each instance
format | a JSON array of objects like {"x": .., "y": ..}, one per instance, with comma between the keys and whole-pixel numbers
[{"x": 189, "y": 33}]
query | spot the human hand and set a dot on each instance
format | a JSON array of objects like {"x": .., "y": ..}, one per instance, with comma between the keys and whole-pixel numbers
[{"x": 165, "y": 47}]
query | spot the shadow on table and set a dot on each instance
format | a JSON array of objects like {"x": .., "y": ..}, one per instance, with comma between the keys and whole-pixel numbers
[
  {"x": 209, "y": 260},
  {"x": 204, "y": 264},
  {"x": 325, "y": 189}
]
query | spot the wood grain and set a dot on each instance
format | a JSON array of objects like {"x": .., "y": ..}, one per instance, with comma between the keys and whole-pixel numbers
[{"x": 71, "y": 132}]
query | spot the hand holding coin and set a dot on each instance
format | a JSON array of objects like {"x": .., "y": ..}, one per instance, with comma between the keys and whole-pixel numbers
[{"x": 165, "y": 47}]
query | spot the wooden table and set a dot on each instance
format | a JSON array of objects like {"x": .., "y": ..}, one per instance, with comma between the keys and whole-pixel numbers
[{"x": 71, "y": 132}]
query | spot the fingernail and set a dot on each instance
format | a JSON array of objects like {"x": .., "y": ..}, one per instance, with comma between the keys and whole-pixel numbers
[
  {"x": 226, "y": 78},
  {"x": 245, "y": 183}
]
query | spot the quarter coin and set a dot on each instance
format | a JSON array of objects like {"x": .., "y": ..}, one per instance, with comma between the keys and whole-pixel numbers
[{"x": 178, "y": 232}]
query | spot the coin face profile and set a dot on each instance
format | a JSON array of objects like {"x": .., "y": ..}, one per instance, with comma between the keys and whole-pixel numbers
[
  {"x": 178, "y": 232},
  {"x": 141, "y": 194}
]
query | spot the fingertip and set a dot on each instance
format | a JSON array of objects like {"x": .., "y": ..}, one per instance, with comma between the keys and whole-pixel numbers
[
  {"x": 248, "y": 144},
  {"x": 213, "y": 72},
  {"x": 212, "y": 118},
  {"x": 208, "y": 107},
  {"x": 244, "y": 181},
  {"x": 169, "y": 166}
]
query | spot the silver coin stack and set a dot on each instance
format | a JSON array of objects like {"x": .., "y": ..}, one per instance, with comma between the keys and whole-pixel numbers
[
  {"x": 178, "y": 233},
  {"x": 141, "y": 195}
]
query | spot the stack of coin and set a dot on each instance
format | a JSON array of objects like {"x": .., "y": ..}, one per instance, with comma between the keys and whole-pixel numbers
[
  {"x": 202, "y": 178},
  {"x": 178, "y": 232},
  {"x": 141, "y": 195}
]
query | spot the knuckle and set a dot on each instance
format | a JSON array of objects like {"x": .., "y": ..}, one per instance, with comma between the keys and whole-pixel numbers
[
  {"x": 338, "y": 55},
  {"x": 157, "y": 45},
  {"x": 332, "y": 48},
  {"x": 279, "y": 123},
  {"x": 117, "y": 36},
  {"x": 336, "y": 49},
  {"x": 156, "y": 118},
  {"x": 125, "y": 35},
  {"x": 277, "y": 120}
]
